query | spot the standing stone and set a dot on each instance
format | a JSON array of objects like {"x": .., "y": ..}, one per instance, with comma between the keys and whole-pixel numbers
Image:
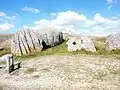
[
  {"x": 113, "y": 41},
  {"x": 80, "y": 42},
  {"x": 9, "y": 62},
  {"x": 8, "y": 65}
]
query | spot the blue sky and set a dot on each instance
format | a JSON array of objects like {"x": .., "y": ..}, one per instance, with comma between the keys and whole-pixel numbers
[{"x": 91, "y": 17}]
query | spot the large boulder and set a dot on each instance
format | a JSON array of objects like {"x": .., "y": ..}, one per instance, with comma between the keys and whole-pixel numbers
[
  {"x": 80, "y": 42},
  {"x": 51, "y": 37},
  {"x": 26, "y": 41},
  {"x": 113, "y": 41}
]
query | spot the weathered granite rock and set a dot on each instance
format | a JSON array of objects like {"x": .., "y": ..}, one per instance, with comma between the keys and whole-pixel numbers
[
  {"x": 80, "y": 42},
  {"x": 113, "y": 41},
  {"x": 51, "y": 37},
  {"x": 25, "y": 42}
]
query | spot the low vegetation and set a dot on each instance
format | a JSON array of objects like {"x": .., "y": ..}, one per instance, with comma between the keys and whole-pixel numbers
[
  {"x": 62, "y": 50},
  {"x": 5, "y": 51},
  {"x": 94, "y": 72}
]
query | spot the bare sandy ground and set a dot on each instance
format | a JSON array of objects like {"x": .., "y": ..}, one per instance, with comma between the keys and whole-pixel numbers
[{"x": 63, "y": 73}]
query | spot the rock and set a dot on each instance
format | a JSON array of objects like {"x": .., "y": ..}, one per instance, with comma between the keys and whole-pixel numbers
[
  {"x": 1, "y": 48},
  {"x": 80, "y": 42},
  {"x": 5, "y": 57},
  {"x": 52, "y": 37},
  {"x": 113, "y": 41},
  {"x": 9, "y": 62},
  {"x": 25, "y": 42}
]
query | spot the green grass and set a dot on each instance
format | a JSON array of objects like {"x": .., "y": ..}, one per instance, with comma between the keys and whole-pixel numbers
[
  {"x": 5, "y": 51},
  {"x": 62, "y": 50},
  {"x": 56, "y": 50}
]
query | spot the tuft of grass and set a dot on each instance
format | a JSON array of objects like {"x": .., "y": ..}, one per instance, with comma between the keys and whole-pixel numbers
[
  {"x": 5, "y": 51},
  {"x": 36, "y": 76},
  {"x": 114, "y": 71},
  {"x": 100, "y": 39},
  {"x": 30, "y": 70},
  {"x": 100, "y": 75}
]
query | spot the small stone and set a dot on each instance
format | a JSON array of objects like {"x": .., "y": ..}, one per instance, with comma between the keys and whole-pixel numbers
[{"x": 1, "y": 48}]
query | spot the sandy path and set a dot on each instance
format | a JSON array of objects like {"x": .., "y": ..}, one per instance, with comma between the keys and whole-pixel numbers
[{"x": 63, "y": 73}]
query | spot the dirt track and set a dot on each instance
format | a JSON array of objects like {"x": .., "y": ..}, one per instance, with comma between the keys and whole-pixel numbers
[{"x": 64, "y": 73}]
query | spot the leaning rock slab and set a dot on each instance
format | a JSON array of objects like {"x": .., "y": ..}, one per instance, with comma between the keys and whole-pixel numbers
[
  {"x": 26, "y": 41},
  {"x": 80, "y": 42},
  {"x": 113, "y": 41}
]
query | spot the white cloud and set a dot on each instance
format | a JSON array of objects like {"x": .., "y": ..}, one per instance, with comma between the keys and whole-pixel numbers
[
  {"x": 6, "y": 22},
  {"x": 5, "y": 17},
  {"x": 67, "y": 17},
  {"x": 63, "y": 21},
  {"x": 109, "y": 1},
  {"x": 30, "y": 9},
  {"x": 2, "y": 14},
  {"x": 64, "y": 18},
  {"x": 6, "y": 26},
  {"x": 98, "y": 28},
  {"x": 73, "y": 22},
  {"x": 98, "y": 19}
]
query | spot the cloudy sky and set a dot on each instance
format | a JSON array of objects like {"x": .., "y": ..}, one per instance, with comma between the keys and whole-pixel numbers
[{"x": 90, "y": 17}]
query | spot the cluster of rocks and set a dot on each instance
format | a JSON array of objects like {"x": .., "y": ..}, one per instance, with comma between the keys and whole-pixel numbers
[
  {"x": 27, "y": 41},
  {"x": 83, "y": 42}
]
